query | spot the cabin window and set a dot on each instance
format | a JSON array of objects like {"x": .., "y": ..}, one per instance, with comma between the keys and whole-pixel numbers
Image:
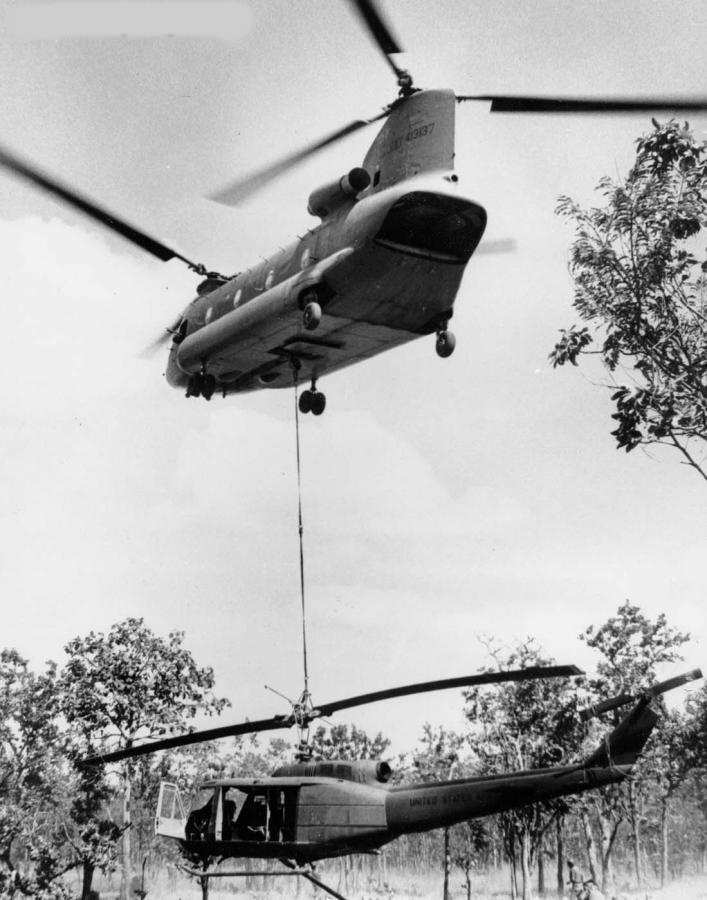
[
  {"x": 237, "y": 297},
  {"x": 209, "y": 314},
  {"x": 245, "y": 815},
  {"x": 376, "y": 178},
  {"x": 268, "y": 814},
  {"x": 270, "y": 279},
  {"x": 306, "y": 258}
]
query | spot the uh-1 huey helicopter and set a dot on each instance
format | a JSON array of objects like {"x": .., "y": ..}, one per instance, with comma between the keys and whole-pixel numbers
[
  {"x": 382, "y": 268},
  {"x": 312, "y": 809}
]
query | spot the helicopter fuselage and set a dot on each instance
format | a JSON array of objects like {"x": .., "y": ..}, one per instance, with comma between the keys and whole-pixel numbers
[
  {"x": 384, "y": 269},
  {"x": 307, "y": 818},
  {"x": 313, "y": 810}
]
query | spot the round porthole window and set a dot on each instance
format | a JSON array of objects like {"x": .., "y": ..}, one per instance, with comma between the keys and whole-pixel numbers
[
  {"x": 237, "y": 297},
  {"x": 209, "y": 313},
  {"x": 270, "y": 279}
]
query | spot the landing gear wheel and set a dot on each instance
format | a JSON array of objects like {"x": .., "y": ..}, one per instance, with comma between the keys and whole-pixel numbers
[
  {"x": 312, "y": 316},
  {"x": 305, "y": 401},
  {"x": 318, "y": 403},
  {"x": 446, "y": 342}
]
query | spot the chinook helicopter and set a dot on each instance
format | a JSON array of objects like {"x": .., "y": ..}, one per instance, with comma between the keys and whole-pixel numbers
[
  {"x": 317, "y": 809},
  {"x": 382, "y": 267}
]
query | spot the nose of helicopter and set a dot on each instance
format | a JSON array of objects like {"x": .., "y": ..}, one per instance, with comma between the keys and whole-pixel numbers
[{"x": 432, "y": 224}]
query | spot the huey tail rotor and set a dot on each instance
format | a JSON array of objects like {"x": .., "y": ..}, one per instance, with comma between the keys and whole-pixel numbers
[{"x": 648, "y": 694}]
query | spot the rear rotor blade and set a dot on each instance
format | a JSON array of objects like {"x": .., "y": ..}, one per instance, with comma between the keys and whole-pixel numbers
[
  {"x": 193, "y": 737},
  {"x": 238, "y": 191},
  {"x": 499, "y": 245},
  {"x": 55, "y": 187},
  {"x": 424, "y": 687},
  {"x": 379, "y": 31},
  {"x": 519, "y": 104}
]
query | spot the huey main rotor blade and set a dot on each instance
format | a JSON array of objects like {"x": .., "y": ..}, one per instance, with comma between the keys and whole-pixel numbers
[
  {"x": 192, "y": 737},
  {"x": 379, "y": 31},
  {"x": 242, "y": 188},
  {"x": 55, "y": 187},
  {"x": 532, "y": 672},
  {"x": 519, "y": 104},
  {"x": 305, "y": 716}
]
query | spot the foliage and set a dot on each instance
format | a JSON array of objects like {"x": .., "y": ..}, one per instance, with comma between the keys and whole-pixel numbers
[
  {"x": 631, "y": 647},
  {"x": 524, "y": 725},
  {"x": 642, "y": 289},
  {"x": 347, "y": 742},
  {"x": 130, "y": 683},
  {"x": 34, "y": 781}
]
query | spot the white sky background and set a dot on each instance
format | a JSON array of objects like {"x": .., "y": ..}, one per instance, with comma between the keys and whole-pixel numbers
[{"x": 443, "y": 499}]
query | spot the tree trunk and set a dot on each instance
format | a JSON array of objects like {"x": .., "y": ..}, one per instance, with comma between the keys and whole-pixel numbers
[
  {"x": 514, "y": 873},
  {"x": 608, "y": 831},
  {"x": 125, "y": 861},
  {"x": 560, "y": 856},
  {"x": 635, "y": 833},
  {"x": 591, "y": 846},
  {"x": 447, "y": 865},
  {"x": 541, "y": 866},
  {"x": 664, "y": 842},
  {"x": 525, "y": 865},
  {"x": 88, "y": 870}
]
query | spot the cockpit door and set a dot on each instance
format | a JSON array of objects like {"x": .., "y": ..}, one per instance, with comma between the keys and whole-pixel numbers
[{"x": 171, "y": 819}]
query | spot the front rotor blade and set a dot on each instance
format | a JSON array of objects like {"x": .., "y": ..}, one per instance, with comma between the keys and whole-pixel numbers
[
  {"x": 423, "y": 687},
  {"x": 156, "y": 345},
  {"x": 238, "y": 191},
  {"x": 193, "y": 737},
  {"x": 34, "y": 175},
  {"x": 379, "y": 31},
  {"x": 519, "y": 104}
]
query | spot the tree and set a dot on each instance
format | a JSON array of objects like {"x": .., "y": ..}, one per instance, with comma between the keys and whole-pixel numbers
[
  {"x": 471, "y": 841},
  {"x": 631, "y": 646},
  {"x": 347, "y": 742},
  {"x": 89, "y": 828},
  {"x": 643, "y": 291},
  {"x": 435, "y": 760},
  {"x": 131, "y": 684},
  {"x": 34, "y": 781},
  {"x": 523, "y": 725},
  {"x": 696, "y": 748}
]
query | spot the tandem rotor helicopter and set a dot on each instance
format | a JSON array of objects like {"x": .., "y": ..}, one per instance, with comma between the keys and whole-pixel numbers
[
  {"x": 312, "y": 809},
  {"x": 382, "y": 267}
]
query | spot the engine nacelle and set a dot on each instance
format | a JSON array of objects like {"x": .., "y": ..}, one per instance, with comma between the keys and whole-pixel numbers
[{"x": 326, "y": 199}]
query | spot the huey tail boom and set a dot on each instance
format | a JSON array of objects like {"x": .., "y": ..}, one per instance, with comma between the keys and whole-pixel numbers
[{"x": 412, "y": 808}]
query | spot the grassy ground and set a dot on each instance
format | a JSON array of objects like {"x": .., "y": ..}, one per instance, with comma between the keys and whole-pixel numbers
[{"x": 400, "y": 885}]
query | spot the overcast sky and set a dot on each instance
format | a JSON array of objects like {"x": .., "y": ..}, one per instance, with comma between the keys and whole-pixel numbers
[{"x": 443, "y": 499}]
